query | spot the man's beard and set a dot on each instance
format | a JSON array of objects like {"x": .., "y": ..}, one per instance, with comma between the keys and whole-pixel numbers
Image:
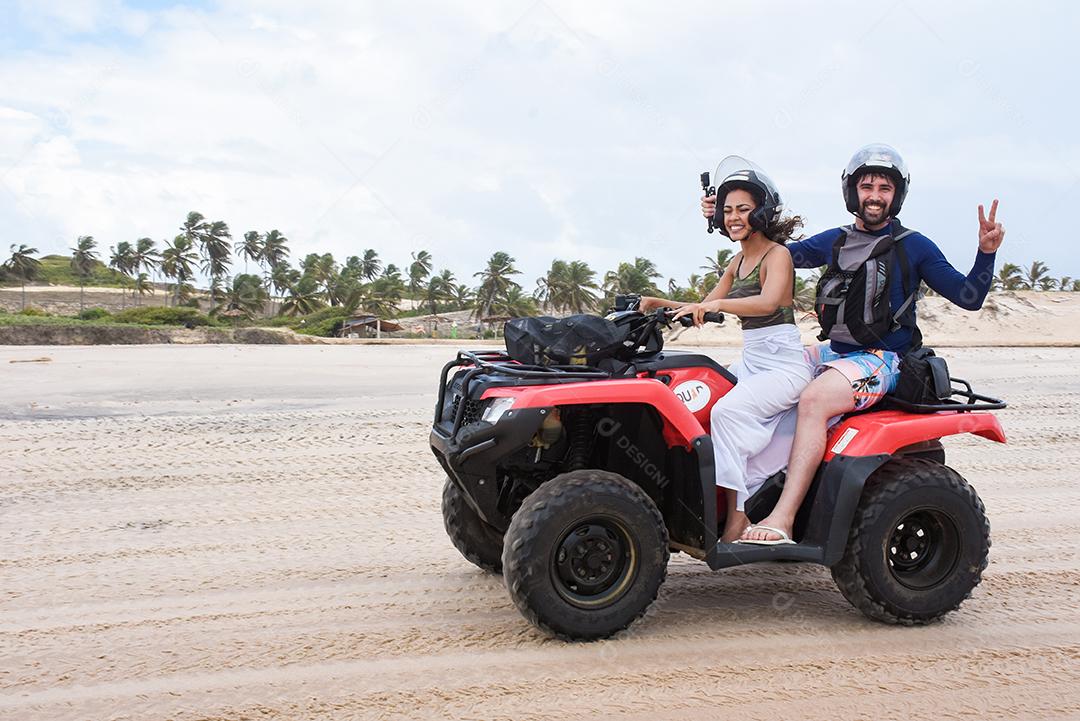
[{"x": 874, "y": 215}]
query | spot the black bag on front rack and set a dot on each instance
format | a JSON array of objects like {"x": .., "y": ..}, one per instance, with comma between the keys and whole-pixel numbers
[
  {"x": 574, "y": 340},
  {"x": 924, "y": 378}
]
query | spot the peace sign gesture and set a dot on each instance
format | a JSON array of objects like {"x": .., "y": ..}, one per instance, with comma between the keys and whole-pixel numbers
[{"x": 991, "y": 233}]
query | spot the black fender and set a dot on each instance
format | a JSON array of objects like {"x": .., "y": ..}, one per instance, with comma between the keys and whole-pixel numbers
[
  {"x": 829, "y": 509},
  {"x": 833, "y": 509}
]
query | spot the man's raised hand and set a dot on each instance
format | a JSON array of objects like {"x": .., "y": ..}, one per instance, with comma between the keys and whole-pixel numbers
[{"x": 991, "y": 233}]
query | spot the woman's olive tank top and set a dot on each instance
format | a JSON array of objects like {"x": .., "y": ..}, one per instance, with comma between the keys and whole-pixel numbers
[{"x": 750, "y": 286}]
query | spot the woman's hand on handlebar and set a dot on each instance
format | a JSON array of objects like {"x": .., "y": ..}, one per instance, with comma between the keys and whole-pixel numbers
[
  {"x": 697, "y": 311},
  {"x": 648, "y": 303}
]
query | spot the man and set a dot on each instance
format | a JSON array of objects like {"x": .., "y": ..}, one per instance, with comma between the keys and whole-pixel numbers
[{"x": 860, "y": 362}]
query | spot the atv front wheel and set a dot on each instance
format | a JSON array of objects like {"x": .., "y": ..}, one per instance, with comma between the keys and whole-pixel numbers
[
  {"x": 585, "y": 555},
  {"x": 918, "y": 544},
  {"x": 478, "y": 542}
]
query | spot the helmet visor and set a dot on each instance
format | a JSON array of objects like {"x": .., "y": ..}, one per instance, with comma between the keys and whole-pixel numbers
[
  {"x": 877, "y": 155},
  {"x": 737, "y": 169}
]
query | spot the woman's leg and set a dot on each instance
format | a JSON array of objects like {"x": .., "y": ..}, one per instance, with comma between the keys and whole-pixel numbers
[
  {"x": 742, "y": 425},
  {"x": 736, "y": 521}
]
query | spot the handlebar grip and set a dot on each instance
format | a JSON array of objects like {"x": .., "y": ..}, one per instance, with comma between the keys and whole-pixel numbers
[{"x": 687, "y": 321}]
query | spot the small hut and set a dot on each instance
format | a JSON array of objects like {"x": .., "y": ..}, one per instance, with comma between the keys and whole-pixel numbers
[
  {"x": 495, "y": 322},
  {"x": 364, "y": 326}
]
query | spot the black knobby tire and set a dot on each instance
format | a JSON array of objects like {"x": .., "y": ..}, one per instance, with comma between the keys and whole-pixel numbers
[
  {"x": 480, "y": 543},
  {"x": 585, "y": 555},
  {"x": 918, "y": 544}
]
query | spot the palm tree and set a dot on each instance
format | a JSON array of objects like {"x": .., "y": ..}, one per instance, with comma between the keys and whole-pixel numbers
[
  {"x": 145, "y": 256},
  {"x": 514, "y": 303},
  {"x": 1047, "y": 283},
  {"x": 439, "y": 288},
  {"x": 246, "y": 293},
  {"x": 275, "y": 248},
  {"x": 419, "y": 270},
  {"x": 325, "y": 272},
  {"x": 462, "y": 296},
  {"x": 1065, "y": 283},
  {"x": 23, "y": 266},
  {"x": 83, "y": 257},
  {"x": 380, "y": 297},
  {"x": 1034, "y": 275},
  {"x": 178, "y": 262},
  {"x": 547, "y": 288},
  {"x": 216, "y": 252},
  {"x": 142, "y": 286},
  {"x": 1008, "y": 277},
  {"x": 495, "y": 281},
  {"x": 577, "y": 291},
  {"x": 632, "y": 278},
  {"x": 370, "y": 265},
  {"x": 340, "y": 287},
  {"x": 122, "y": 260},
  {"x": 717, "y": 265},
  {"x": 282, "y": 277},
  {"x": 303, "y": 297},
  {"x": 251, "y": 248}
]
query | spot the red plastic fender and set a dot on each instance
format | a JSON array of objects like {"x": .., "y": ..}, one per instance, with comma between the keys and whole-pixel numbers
[
  {"x": 697, "y": 387},
  {"x": 680, "y": 425},
  {"x": 887, "y": 431}
]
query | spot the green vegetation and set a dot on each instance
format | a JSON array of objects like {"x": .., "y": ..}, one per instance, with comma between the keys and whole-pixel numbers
[
  {"x": 316, "y": 294},
  {"x": 37, "y": 317},
  {"x": 94, "y": 314},
  {"x": 158, "y": 315},
  {"x": 57, "y": 270}
]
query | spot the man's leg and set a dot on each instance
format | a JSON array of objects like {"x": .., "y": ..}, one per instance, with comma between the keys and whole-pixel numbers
[{"x": 827, "y": 395}]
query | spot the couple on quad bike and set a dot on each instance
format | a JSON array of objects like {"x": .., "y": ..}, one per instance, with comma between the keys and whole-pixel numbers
[{"x": 779, "y": 412}]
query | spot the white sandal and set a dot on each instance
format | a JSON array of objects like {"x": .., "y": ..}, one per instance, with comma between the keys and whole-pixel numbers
[{"x": 784, "y": 539}]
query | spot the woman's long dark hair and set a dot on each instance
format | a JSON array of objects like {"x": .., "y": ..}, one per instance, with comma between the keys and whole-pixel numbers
[{"x": 784, "y": 230}]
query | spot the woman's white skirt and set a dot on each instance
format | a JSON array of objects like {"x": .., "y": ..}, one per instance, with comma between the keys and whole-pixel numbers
[{"x": 753, "y": 426}]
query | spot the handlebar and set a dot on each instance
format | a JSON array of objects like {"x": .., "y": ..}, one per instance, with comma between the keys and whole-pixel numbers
[{"x": 687, "y": 321}]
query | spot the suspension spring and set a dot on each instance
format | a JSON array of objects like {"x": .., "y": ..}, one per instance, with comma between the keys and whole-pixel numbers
[{"x": 581, "y": 437}]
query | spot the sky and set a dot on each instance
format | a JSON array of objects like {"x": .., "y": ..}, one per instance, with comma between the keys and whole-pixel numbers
[{"x": 546, "y": 129}]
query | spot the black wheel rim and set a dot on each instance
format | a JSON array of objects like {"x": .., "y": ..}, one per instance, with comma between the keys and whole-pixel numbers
[
  {"x": 594, "y": 562},
  {"x": 923, "y": 549}
]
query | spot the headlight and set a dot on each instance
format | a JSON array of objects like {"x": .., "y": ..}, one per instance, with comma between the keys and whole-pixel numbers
[{"x": 496, "y": 408}]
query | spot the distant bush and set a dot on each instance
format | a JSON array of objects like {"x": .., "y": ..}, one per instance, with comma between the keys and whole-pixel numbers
[
  {"x": 158, "y": 315},
  {"x": 325, "y": 322},
  {"x": 93, "y": 314},
  {"x": 327, "y": 328},
  {"x": 31, "y": 310}
]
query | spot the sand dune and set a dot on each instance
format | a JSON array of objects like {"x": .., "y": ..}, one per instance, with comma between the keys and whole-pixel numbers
[{"x": 235, "y": 532}]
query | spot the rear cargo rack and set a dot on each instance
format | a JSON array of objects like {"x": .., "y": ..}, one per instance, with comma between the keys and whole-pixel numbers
[
  {"x": 975, "y": 401},
  {"x": 497, "y": 362}
]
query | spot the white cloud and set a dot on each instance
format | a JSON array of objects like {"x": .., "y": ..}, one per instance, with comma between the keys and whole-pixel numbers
[{"x": 543, "y": 129}]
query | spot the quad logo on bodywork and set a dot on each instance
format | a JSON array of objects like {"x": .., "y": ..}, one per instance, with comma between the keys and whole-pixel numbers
[{"x": 695, "y": 395}]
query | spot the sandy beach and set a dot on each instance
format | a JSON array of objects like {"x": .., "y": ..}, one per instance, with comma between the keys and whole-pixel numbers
[{"x": 253, "y": 532}]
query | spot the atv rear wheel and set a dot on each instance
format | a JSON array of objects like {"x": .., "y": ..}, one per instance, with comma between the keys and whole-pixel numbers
[
  {"x": 478, "y": 542},
  {"x": 585, "y": 555},
  {"x": 918, "y": 544}
]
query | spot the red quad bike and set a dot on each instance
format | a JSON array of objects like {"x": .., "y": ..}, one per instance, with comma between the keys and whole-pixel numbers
[{"x": 576, "y": 482}]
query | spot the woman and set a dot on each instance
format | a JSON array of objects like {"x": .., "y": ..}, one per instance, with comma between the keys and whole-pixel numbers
[{"x": 750, "y": 426}]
